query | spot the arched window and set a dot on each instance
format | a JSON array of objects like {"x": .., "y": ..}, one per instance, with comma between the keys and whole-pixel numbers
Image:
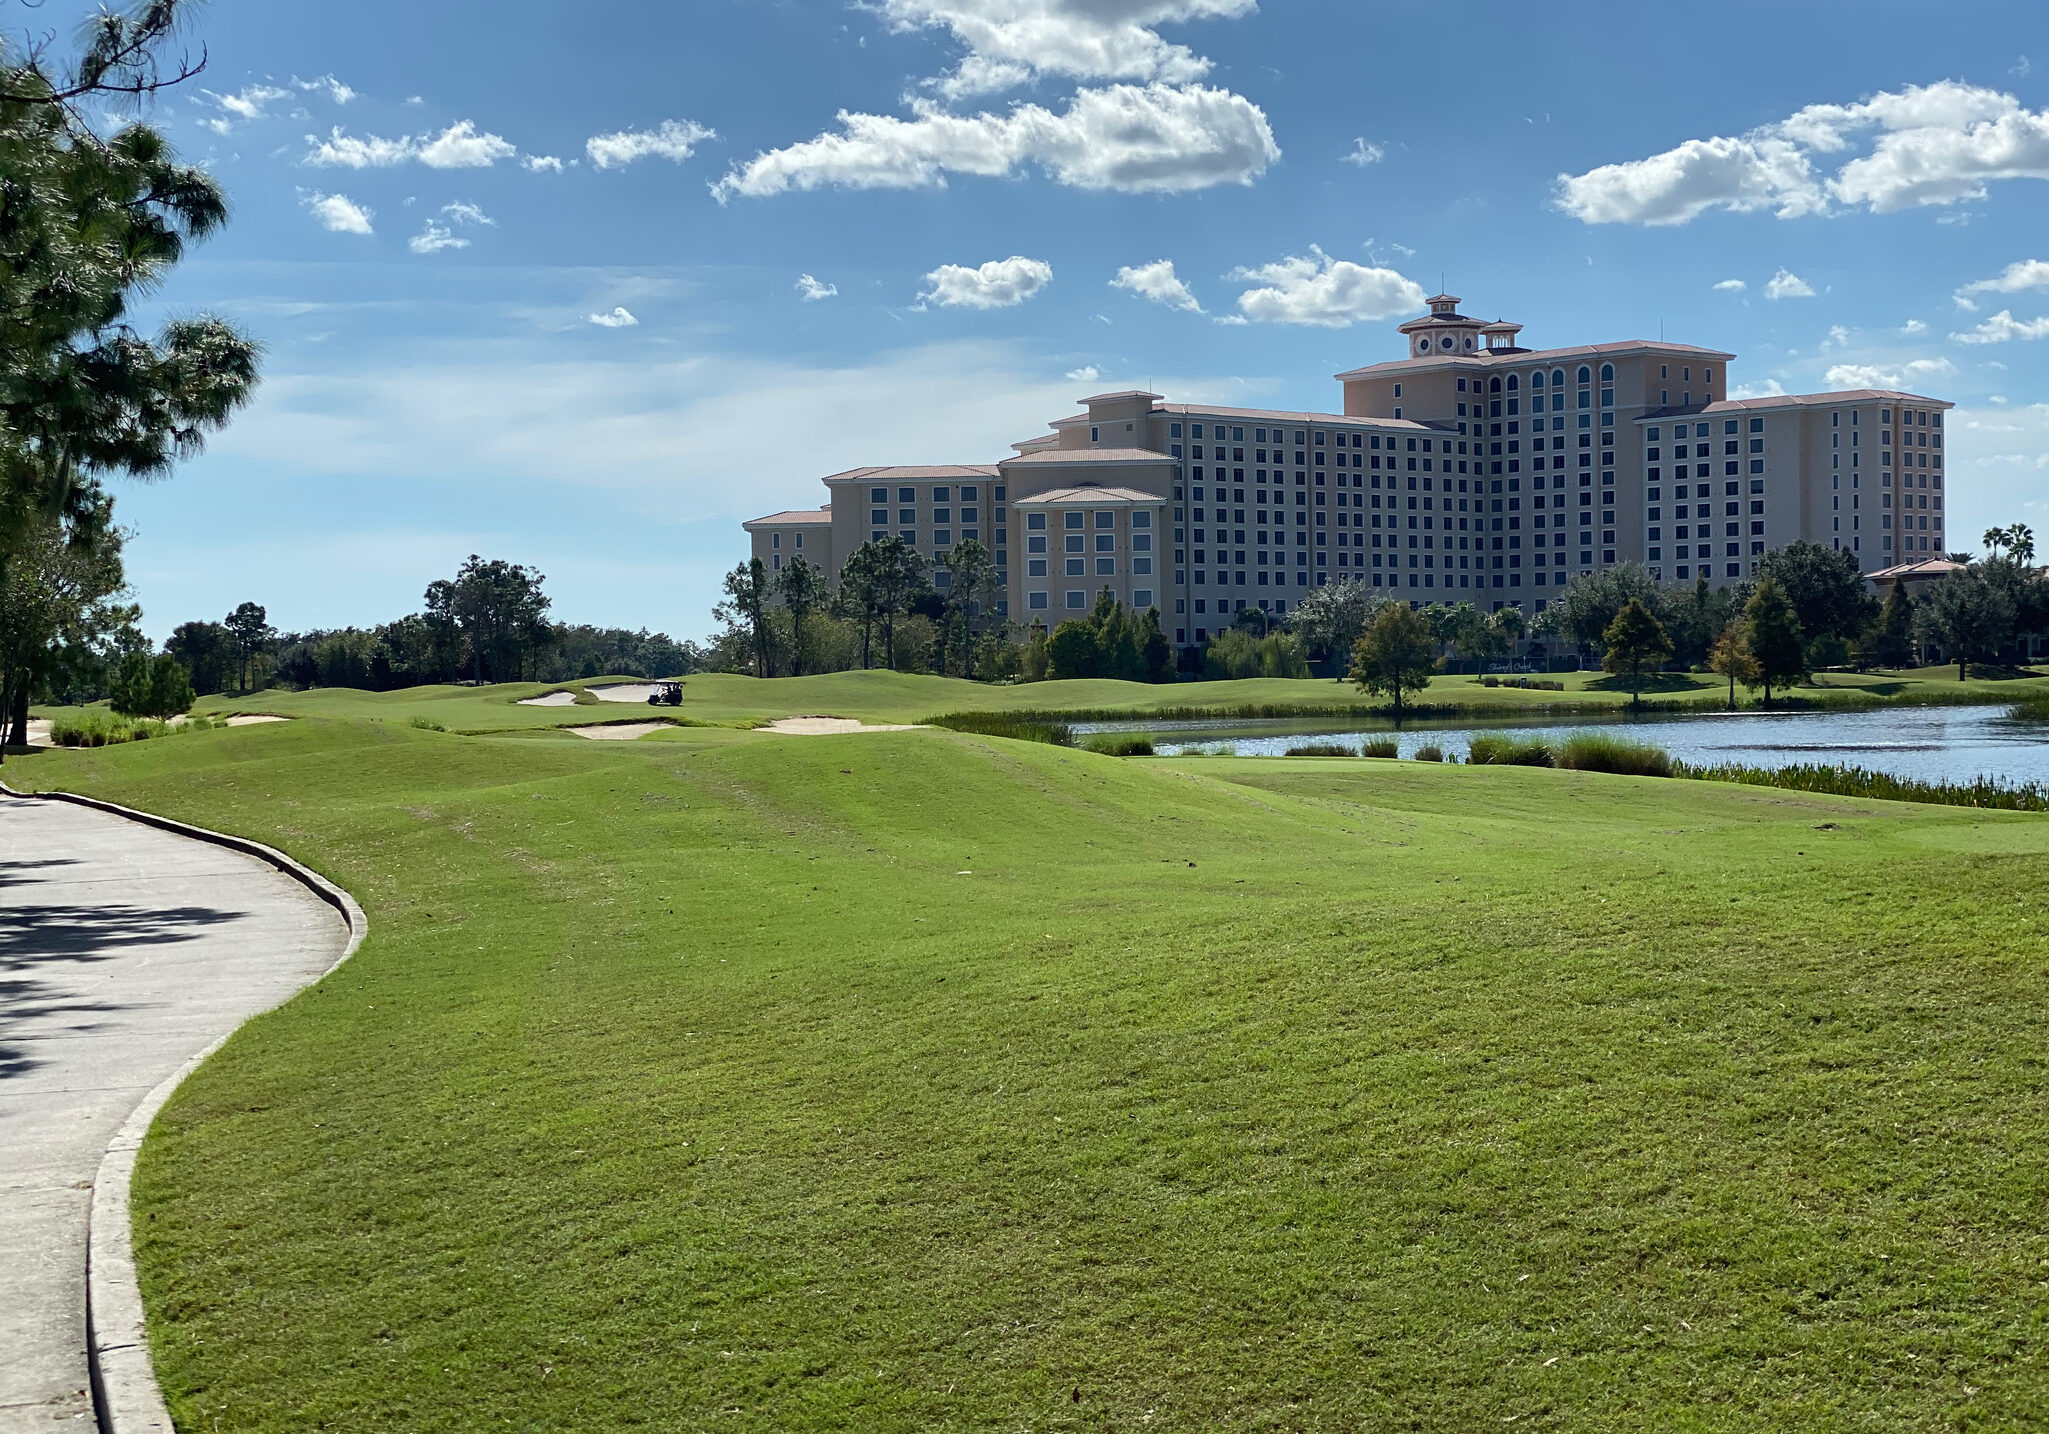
[
  {"x": 1607, "y": 373},
  {"x": 1537, "y": 379},
  {"x": 1469, "y": 343},
  {"x": 1422, "y": 346},
  {"x": 1445, "y": 341},
  {"x": 1585, "y": 373},
  {"x": 1513, "y": 383},
  {"x": 1494, "y": 386},
  {"x": 1558, "y": 378}
]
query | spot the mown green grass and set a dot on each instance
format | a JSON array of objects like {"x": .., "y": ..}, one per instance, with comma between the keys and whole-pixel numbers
[
  {"x": 727, "y": 699},
  {"x": 929, "y": 1081}
]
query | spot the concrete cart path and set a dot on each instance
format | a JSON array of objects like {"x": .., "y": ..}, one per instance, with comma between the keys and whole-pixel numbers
[{"x": 124, "y": 951}]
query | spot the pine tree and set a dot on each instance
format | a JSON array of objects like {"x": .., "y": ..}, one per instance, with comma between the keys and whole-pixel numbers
[{"x": 1775, "y": 638}]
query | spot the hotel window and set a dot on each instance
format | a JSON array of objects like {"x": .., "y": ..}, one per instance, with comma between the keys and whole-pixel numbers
[
  {"x": 1076, "y": 598},
  {"x": 878, "y": 495},
  {"x": 1141, "y": 598},
  {"x": 1076, "y": 567},
  {"x": 1076, "y": 543},
  {"x": 1036, "y": 602},
  {"x": 907, "y": 495},
  {"x": 1036, "y": 522},
  {"x": 1070, "y": 520}
]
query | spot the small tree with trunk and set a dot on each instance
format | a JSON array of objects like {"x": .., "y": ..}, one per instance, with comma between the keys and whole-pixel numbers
[
  {"x": 1395, "y": 655},
  {"x": 250, "y": 627},
  {"x": 1732, "y": 658},
  {"x": 1775, "y": 638},
  {"x": 748, "y": 591},
  {"x": 1891, "y": 639},
  {"x": 1636, "y": 643},
  {"x": 1968, "y": 615},
  {"x": 802, "y": 590}
]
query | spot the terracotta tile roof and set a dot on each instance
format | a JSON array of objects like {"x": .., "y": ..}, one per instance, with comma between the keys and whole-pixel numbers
[
  {"x": 1516, "y": 357},
  {"x": 1087, "y": 455},
  {"x": 1056, "y": 496},
  {"x": 1797, "y": 400},
  {"x": 913, "y": 473},
  {"x": 794, "y": 517}
]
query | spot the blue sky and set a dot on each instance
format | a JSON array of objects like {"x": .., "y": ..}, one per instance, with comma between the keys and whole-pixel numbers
[{"x": 436, "y": 203}]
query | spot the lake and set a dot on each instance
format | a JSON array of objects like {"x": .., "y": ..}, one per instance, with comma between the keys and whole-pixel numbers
[{"x": 1929, "y": 743}]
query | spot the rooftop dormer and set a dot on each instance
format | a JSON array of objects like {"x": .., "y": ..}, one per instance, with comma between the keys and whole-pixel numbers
[{"x": 1446, "y": 333}]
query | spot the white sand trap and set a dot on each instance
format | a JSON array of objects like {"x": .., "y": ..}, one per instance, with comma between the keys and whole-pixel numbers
[
  {"x": 619, "y": 731},
  {"x": 829, "y": 726},
  {"x": 549, "y": 699},
  {"x": 624, "y": 692},
  {"x": 38, "y": 732},
  {"x": 251, "y": 719}
]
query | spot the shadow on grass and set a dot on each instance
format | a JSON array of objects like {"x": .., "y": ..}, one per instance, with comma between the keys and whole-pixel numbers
[{"x": 1652, "y": 683}]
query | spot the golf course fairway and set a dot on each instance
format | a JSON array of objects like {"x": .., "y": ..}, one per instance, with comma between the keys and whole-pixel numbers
[{"x": 920, "y": 1081}]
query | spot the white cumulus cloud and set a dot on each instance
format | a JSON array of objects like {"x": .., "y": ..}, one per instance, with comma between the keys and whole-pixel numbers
[
  {"x": 2003, "y": 327},
  {"x": 1787, "y": 285},
  {"x": 247, "y": 103},
  {"x": 461, "y": 146},
  {"x": 1012, "y": 42},
  {"x": 2019, "y": 277},
  {"x": 1921, "y": 145},
  {"x": 1088, "y": 373},
  {"x": 337, "y": 213},
  {"x": 1913, "y": 327},
  {"x": 1731, "y": 286},
  {"x": 1151, "y": 139},
  {"x": 1769, "y": 388},
  {"x": 673, "y": 140},
  {"x": 617, "y": 319},
  {"x": 541, "y": 163},
  {"x": 1158, "y": 282},
  {"x": 812, "y": 291},
  {"x": 998, "y": 284},
  {"x": 1862, "y": 375},
  {"x": 1328, "y": 293}
]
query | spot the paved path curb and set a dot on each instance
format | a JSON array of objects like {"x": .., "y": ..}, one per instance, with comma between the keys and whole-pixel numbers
[{"x": 126, "y": 1397}]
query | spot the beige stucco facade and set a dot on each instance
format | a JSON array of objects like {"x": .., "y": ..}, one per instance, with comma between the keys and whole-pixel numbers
[{"x": 1471, "y": 469}]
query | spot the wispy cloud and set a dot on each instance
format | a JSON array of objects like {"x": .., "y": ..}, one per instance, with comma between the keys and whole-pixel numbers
[
  {"x": 616, "y": 319},
  {"x": 461, "y": 146},
  {"x": 1787, "y": 285},
  {"x": 812, "y": 290},
  {"x": 1365, "y": 153},
  {"x": 673, "y": 140}
]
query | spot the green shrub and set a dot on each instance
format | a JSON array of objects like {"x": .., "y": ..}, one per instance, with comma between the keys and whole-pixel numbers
[
  {"x": 1497, "y": 749},
  {"x": 1431, "y": 753},
  {"x": 1322, "y": 749},
  {"x": 1380, "y": 747},
  {"x": 1115, "y": 744},
  {"x": 145, "y": 686},
  {"x": 1604, "y": 752},
  {"x": 425, "y": 724},
  {"x": 103, "y": 729},
  {"x": 1018, "y": 726}
]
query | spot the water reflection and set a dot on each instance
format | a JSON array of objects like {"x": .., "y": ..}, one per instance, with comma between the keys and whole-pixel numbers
[{"x": 1931, "y": 743}]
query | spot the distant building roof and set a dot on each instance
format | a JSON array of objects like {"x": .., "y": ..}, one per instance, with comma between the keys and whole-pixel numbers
[
  {"x": 1106, "y": 456},
  {"x": 1796, "y": 400},
  {"x": 1283, "y": 415},
  {"x": 1926, "y": 569},
  {"x": 1085, "y": 494},
  {"x": 1491, "y": 358},
  {"x": 1124, "y": 393},
  {"x": 912, "y": 473},
  {"x": 792, "y": 518}
]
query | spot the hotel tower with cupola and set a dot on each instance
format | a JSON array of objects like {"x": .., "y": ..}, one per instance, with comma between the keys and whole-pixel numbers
[{"x": 1472, "y": 469}]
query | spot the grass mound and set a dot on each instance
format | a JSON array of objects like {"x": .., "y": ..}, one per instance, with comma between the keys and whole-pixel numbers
[{"x": 924, "y": 1081}]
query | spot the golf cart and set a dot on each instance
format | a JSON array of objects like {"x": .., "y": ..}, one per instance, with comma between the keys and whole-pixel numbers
[{"x": 666, "y": 694}]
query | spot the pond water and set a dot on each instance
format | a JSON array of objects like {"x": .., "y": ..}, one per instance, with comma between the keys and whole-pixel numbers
[{"x": 1928, "y": 743}]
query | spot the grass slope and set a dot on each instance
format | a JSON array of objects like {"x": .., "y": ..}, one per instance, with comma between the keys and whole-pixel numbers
[{"x": 696, "y": 1083}]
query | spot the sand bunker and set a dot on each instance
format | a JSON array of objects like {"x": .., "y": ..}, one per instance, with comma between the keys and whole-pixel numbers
[
  {"x": 549, "y": 699},
  {"x": 251, "y": 719},
  {"x": 617, "y": 692},
  {"x": 618, "y": 731},
  {"x": 828, "y": 727},
  {"x": 38, "y": 732}
]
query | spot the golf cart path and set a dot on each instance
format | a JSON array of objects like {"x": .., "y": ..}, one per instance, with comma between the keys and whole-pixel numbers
[{"x": 124, "y": 952}]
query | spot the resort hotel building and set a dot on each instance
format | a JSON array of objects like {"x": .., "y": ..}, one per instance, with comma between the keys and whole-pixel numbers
[{"x": 1472, "y": 469}]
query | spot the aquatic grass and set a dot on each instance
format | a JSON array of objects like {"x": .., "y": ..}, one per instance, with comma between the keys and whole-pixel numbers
[
  {"x": 1018, "y": 726},
  {"x": 1500, "y": 749},
  {"x": 1606, "y": 752},
  {"x": 1989, "y": 792},
  {"x": 1380, "y": 747},
  {"x": 1112, "y": 744},
  {"x": 1432, "y": 753},
  {"x": 2031, "y": 707},
  {"x": 1323, "y": 749}
]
